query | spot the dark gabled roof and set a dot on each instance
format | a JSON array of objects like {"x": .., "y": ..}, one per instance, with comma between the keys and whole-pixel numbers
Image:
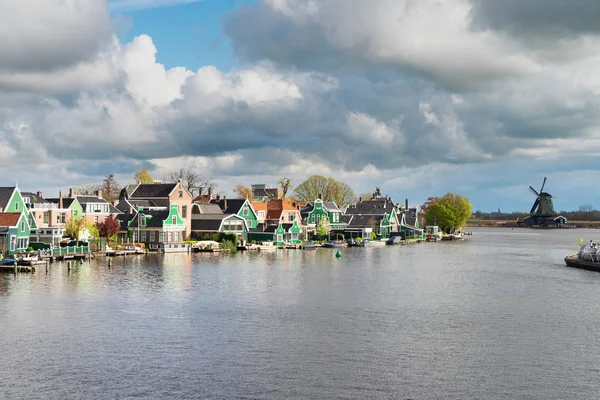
[
  {"x": 124, "y": 219},
  {"x": 273, "y": 228},
  {"x": 207, "y": 222},
  {"x": 410, "y": 216},
  {"x": 330, "y": 206},
  {"x": 34, "y": 198},
  {"x": 230, "y": 206},
  {"x": 84, "y": 199},
  {"x": 304, "y": 211},
  {"x": 127, "y": 190},
  {"x": 67, "y": 201},
  {"x": 378, "y": 206},
  {"x": 153, "y": 190},
  {"x": 158, "y": 216},
  {"x": 125, "y": 205},
  {"x": 206, "y": 208},
  {"x": 363, "y": 221},
  {"x": 5, "y": 195}
]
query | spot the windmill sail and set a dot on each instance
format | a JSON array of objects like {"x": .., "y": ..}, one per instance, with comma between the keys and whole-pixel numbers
[{"x": 535, "y": 204}]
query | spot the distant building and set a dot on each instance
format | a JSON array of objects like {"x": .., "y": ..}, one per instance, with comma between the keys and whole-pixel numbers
[{"x": 262, "y": 193}]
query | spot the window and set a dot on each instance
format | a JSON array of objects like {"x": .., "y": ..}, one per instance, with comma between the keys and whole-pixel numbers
[
  {"x": 246, "y": 211},
  {"x": 261, "y": 214},
  {"x": 184, "y": 211},
  {"x": 143, "y": 236},
  {"x": 13, "y": 243},
  {"x": 174, "y": 220},
  {"x": 74, "y": 213},
  {"x": 62, "y": 218},
  {"x": 161, "y": 237},
  {"x": 291, "y": 217},
  {"x": 312, "y": 219},
  {"x": 177, "y": 236},
  {"x": 294, "y": 236},
  {"x": 279, "y": 238},
  {"x": 22, "y": 243},
  {"x": 180, "y": 194},
  {"x": 16, "y": 206},
  {"x": 22, "y": 226},
  {"x": 142, "y": 220},
  {"x": 96, "y": 218}
]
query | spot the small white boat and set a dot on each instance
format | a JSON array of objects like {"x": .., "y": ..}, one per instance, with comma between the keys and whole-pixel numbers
[
  {"x": 373, "y": 243},
  {"x": 267, "y": 246}
]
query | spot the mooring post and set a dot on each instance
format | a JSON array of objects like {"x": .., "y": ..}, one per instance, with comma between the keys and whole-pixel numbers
[
  {"x": 109, "y": 263},
  {"x": 69, "y": 266}
]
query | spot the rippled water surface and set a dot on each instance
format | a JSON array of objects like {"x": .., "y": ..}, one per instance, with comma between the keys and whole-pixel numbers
[{"x": 496, "y": 317}]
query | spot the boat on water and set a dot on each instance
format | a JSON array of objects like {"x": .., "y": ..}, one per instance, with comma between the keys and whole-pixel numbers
[
  {"x": 373, "y": 243},
  {"x": 309, "y": 246},
  {"x": 267, "y": 246},
  {"x": 588, "y": 257},
  {"x": 453, "y": 237},
  {"x": 334, "y": 245},
  {"x": 8, "y": 261}
]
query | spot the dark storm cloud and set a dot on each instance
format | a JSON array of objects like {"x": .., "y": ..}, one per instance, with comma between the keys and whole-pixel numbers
[{"x": 538, "y": 17}]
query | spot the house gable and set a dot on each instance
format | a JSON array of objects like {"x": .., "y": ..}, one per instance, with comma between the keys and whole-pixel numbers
[
  {"x": 174, "y": 220},
  {"x": 247, "y": 212}
]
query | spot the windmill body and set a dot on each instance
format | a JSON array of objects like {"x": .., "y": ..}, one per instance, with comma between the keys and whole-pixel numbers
[{"x": 542, "y": 212}]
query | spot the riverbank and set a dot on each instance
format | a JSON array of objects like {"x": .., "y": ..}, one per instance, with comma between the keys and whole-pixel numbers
[{"x": 514, "y": 224}]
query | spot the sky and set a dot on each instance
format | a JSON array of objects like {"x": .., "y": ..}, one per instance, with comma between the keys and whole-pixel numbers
[{"x": 418, "y": 97}]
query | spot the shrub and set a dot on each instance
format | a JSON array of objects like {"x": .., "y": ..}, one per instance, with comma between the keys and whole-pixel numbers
[{"x": 228, "y": 245}]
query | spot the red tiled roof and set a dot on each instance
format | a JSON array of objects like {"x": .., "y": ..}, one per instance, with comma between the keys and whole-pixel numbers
[
  {"x": 275, "y": 207},
  {"x": 9, "y": 219}
]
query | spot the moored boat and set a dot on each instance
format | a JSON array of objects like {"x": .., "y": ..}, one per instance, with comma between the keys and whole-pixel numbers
[
  {"x": 373, "y": 243},
  {"x": 309, "y": 245},
  {"x": 334, "y": 245},
  {"x": 587, "y": 258}
]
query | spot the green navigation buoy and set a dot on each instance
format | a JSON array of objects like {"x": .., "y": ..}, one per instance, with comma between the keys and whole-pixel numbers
[{"x": 338, "y": 254}]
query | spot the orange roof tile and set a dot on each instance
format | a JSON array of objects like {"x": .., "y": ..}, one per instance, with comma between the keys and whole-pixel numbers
[
  {"x": 259, "y": 206},
  {"x": 9, "y": 218}
]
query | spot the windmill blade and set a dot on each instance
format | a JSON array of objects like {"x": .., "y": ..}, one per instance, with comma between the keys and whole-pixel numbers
[
  {"x": 535, "y": 204},
  {"x": 533, "y": 190},
  {"x": 543, "y": 184}
]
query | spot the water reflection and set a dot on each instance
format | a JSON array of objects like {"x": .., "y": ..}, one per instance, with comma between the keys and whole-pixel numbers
[{"x": 498, "y": 316}]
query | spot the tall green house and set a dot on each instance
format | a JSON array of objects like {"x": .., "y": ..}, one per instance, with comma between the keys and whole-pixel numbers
[
  {"x": 327, "y": 209},
  {"x": 240, "y": 207}
]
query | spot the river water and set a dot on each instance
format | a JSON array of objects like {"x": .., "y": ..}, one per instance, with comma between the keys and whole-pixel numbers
[{"x": 498, "y": 316}]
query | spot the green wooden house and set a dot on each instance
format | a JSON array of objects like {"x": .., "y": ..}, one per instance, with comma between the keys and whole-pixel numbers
[
  {"x": 293, "y": 234},
  {"x": 329, "y": 210},
  {"x": 279, "y": 236},
  {"x": 240, "y": 207},
  {"x": 14, "y": 233}
]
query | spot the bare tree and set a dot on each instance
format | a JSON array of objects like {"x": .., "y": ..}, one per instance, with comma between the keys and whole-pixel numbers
[
  {"x": 88, "y": 189},
  {"x": 193, "y": 181},
  {"x": 285, "y": 184},
  {"x": 110, "y": 188}
]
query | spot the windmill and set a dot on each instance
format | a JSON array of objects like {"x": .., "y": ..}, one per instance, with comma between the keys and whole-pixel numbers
[{"x": 542, "y": 207}]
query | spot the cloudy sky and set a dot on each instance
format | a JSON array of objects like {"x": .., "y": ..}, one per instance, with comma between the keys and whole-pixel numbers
[{"x": 420, "y": 97}]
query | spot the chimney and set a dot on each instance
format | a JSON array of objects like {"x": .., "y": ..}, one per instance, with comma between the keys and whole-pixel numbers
[
  {"x": 209, "y": 194},
  {"x": 39, "y": 193},
  {"x": 321, "y": 196},
  {"x": 360, "y": 199},
  {"x": 224, "y": 203},
  {"x": 218, "y": 197},
  {"x": 99, "y": 193},
  {"x": 71, "y": 192},
  {"x": 406, "y": 204},
  {"x": 60, "y": 200}
]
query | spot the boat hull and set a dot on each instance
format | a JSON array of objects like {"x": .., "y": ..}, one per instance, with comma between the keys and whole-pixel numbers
[{"x": 574, "y": 262}]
